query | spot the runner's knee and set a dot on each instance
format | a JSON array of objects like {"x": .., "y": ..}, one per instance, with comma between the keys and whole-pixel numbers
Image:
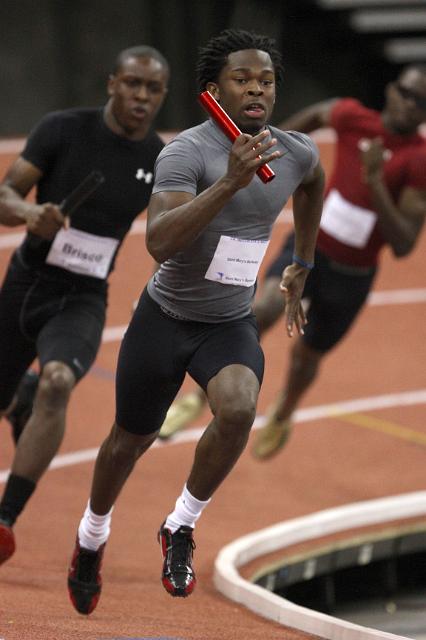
[
  {"x": 56, "y": 382},
  {"x": 237, "y": 410},
  {"x": 233, "y": 398},
  {"x": 126, "y": 447}
]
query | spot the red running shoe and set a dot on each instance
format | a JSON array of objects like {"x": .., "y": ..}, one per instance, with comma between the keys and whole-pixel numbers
[
  {"x": 84, "y": 578},
  {"x": 7, "y": 541},
  {"x": 178, "y": 576}
]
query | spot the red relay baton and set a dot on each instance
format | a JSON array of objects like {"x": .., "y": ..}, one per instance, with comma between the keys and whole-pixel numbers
[{"x": 229, "y": 128}]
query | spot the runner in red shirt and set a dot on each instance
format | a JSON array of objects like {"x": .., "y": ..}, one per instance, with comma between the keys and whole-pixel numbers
[{"x": 376, "y": 195}]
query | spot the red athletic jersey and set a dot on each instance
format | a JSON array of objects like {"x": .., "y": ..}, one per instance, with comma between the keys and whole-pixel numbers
[{"x": 406, "y": 167}]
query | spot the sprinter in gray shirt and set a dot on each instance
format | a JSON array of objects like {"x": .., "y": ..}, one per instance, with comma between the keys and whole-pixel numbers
[{"x": 209, "y": 222}]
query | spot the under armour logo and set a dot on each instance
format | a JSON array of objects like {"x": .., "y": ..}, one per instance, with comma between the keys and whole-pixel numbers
[
  {"x": 141, "y": 175},
  {"x": 76, "y": 362}
]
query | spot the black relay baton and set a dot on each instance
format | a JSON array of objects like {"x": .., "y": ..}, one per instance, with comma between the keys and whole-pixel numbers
[{"x": 81, "y": 192}]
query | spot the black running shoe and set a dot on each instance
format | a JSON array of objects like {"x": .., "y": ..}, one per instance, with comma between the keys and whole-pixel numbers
[
  {"x": 84, "y": 578},
  {"x": 24, "y": 403},
  {"x": 178, "y": 576}
]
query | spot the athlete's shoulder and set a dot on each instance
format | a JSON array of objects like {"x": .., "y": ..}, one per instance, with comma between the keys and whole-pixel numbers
[
  {"x": 299, "y": 146},
  {"x": 288, "y": 134},
  {"x": 350, "y": 105},
  {"x": 349, "y": 113},
  {"x": 294, "y": 140},
  {"x": 73, "y": 116},
  {"x": 195, "y": 135},
  {"x": 188, "y": 143},
  {"x": 152, "y": 143}
]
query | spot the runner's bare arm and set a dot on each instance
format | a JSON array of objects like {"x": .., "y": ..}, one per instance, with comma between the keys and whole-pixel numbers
[
  {"x": 43, "y": 220},
  {"x": 401, "y": 222},
  {"x": 307, "y": 208},
  {"x": 313, "y": 117},
  {"x": 175, "y": 219},
  {"x": 17, "y": 183}
]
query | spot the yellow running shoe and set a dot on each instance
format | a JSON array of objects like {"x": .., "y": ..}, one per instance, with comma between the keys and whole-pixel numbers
[
  {"x": 272, "y": 437},
  {"x": 181, "y": 413}
]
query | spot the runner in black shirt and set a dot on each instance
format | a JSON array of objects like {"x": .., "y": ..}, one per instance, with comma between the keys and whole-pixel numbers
[{"x": 54, "y": 296}]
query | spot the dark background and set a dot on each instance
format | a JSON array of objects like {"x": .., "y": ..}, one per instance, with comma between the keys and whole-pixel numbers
[{"x": 56, "y": 54}]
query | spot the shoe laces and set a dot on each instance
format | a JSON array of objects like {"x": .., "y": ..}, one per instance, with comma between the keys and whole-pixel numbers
[
  {"x": 182, "y": 545},
  {"x": 88, "y": 565}
]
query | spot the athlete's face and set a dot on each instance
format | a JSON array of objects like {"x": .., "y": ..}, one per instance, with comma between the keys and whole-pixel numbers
[
  {"x": 246, "y": 89},
  {"x": 405, "y": 106},
  {"x": 137, "y": 92}
]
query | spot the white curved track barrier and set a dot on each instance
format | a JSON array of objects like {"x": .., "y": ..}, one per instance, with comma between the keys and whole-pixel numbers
[{"x": 269, "y": 605}]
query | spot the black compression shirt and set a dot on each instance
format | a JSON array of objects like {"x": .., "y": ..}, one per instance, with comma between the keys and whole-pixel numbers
[{"x": 66, "y": 146}]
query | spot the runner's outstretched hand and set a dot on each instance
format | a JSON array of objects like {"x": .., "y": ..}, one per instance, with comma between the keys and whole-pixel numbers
[{"x": 292, "y": 284}]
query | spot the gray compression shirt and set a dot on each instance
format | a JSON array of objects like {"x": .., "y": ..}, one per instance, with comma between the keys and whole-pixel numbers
[{"x": 213, "y": 279}]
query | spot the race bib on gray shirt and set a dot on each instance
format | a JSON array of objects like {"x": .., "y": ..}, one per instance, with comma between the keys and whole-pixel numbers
[{"x": 213, "y": 279}]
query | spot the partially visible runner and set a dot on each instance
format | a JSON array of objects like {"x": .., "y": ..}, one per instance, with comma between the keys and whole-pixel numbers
[
  {"x": 209, "y": 223},
  {"x": 376, "y": 195},
  {"x": 54, "y": 296}
]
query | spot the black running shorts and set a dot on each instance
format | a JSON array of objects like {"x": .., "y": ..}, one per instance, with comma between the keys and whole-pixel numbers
[
  {"x": 157, "y": 351},
  {"x": 49, "y": 318}
]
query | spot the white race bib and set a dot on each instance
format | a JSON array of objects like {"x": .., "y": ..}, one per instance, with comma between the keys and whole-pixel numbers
[
  {"x": 346, "y": 222},
  {"x": 237, "y": 261},
  {"x": 82, "y": 252}
]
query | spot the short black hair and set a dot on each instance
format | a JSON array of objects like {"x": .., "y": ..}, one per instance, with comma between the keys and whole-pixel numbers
[
  {"x": 214, "y": 55},
  {"x": 140, "y": 51}
]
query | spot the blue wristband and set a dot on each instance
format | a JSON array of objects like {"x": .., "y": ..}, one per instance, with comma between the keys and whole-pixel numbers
[{"x": 306, "y": 265}]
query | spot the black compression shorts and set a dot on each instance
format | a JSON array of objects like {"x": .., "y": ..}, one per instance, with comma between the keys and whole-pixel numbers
[
  {"x": 158, "y": 350},
  {"x": 49, "y": 318},
  {"x": 335, "y": 293}
]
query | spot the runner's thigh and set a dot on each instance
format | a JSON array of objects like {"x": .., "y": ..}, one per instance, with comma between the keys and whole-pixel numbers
[
  {"x": 73, "y": 335},
  {"x": 149, "y": 371},
  {"x": 17, "y": 351},
  {"x": 234, "y": 342},
  {"x": 335, "y": 301}
]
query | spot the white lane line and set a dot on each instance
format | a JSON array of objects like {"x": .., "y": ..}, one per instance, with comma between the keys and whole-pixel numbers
[
  {"x": 406, "y": 398},
  {"x": 397, "y": 296},
  {"x": 12, "y": 145},
  {"x": 375, "y": 299}
]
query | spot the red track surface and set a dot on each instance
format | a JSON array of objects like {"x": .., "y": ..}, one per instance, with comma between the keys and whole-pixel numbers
[{"x": 328, "y": 462}]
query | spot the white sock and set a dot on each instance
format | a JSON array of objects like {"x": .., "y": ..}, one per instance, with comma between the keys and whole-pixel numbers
[
  {"x": 187, "y": 511},
  {"x": 94, "y": 530}
]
